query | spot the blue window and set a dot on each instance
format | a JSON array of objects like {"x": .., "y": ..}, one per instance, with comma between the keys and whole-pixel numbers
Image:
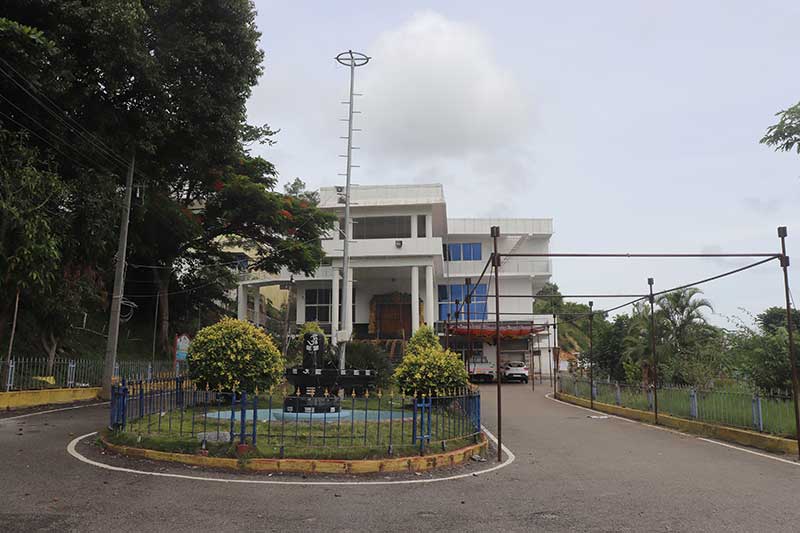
[
  {"x": 449, "y": 294},
  {"x": 470, "y": 251},
  {"x": 454, "y": 252}
]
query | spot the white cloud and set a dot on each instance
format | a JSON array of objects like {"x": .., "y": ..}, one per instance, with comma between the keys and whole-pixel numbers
[{"x": 434, "y": 89}]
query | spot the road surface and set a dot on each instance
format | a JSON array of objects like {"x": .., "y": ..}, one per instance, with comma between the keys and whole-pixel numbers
[{"x": 571, "y": 473}]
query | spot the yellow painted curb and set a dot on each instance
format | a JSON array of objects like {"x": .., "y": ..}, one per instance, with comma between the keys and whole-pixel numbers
[
  {"x": 744, "y": 437},
  {"x": 310, "y": 466},
  {"x": 33, "y": 398}
]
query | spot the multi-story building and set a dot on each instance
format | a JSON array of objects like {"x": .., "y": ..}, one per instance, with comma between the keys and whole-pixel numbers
[{"x": 404, "y": 249}]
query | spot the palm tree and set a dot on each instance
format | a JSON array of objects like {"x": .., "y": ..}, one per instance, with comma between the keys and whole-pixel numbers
[{"x": 682, "y": 313}]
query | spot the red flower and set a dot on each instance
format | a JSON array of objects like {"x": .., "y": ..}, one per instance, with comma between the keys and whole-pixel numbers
[
  {"x": 285, "y": 214},
  {"x": 218, "y": 185}
]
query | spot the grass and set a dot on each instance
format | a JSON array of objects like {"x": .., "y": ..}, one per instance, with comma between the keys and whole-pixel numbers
[
  {"x": 299, "y": 436},
  {"x": 730, "y": 406}
]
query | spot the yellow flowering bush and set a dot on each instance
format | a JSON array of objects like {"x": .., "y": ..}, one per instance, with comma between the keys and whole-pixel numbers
[
  {"x": 233, "y": 354},
  {"x": 427, "y": 367}
]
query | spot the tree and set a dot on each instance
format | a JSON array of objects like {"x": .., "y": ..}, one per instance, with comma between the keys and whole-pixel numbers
[
  {"x": 30, "y": 198},
  {"x": 609, "y": 348},
  {"x": 170, "y": 81},
  {"x": 773, "y": 318},
  {"x": 785, "y": 135}
]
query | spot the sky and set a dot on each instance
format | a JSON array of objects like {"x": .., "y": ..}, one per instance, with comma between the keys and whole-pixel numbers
[{"x": 634, "y": 125}]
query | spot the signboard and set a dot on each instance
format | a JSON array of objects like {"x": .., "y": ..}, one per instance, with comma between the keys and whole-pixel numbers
[{"x": 182, "y": 343}]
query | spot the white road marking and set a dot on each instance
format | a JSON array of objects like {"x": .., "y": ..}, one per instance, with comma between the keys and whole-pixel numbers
[
  {"x": 731, "y": 446},
  {"x": 765, "y": 455},
  {"x": 51, "y": 411},
  {"x": 76, "y": 454}
]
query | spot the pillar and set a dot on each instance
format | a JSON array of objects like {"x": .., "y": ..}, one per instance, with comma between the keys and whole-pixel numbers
[
  {"x": 241, "y": 302},
  {"x": 334, "y": 305},
  {"x": 414, "y": 299},
  {"x": 414, "y": 231},
  {"x": 257, "y": 306},
  {"x": 429, "y": 226},
  {"x": 430, "y": 299}
]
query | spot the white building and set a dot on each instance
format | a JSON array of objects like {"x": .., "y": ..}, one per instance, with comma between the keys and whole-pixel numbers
[{"x": 404, "y": 249}]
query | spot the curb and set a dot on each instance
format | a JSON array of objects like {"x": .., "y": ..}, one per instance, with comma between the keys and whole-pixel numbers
[
  {"x": 35, "y": 398},
  {"x": 744, "y": 437},
  {"x": 309, "y": 466}
]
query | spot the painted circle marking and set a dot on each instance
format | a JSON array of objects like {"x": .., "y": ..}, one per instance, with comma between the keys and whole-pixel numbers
[{"x": 510, "y": 457}]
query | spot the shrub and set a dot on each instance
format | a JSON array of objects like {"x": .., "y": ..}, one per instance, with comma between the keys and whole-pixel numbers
[
  {"x": 423, "y": 339},
  {"x": 427, "y": 367},
  {"x": 233, "y": 354}
]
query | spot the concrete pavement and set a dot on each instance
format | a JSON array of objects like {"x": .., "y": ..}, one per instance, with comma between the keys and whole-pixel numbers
[{"x": 572, "y": 473}]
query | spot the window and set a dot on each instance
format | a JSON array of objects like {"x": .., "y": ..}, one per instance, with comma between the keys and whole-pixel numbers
[
  {"x": 397, "y": 227},
  {"x": 318, "y": 305},
  {"x": 448, "y": 294},
  {"x": 470, "y": 251},
  {"x": 421, "y": 229}
]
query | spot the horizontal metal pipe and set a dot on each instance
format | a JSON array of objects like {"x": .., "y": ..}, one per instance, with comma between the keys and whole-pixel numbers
[{"x": 626, "y": 255}]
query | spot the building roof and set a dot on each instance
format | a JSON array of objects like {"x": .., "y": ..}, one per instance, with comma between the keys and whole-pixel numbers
[{"x": 383, "y": 195}]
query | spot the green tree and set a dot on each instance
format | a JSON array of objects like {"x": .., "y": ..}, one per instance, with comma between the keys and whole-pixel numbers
[
  {"x": 427, "y": 368},
  {"x": 773, "y": 318},
  {"x": 785, "y": 135}
]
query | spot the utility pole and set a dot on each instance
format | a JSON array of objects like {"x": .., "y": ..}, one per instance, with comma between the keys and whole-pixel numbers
[
  {"x": 653, "y": 349},
  {"x": 792, "y": 355},
  {"x": 119, "y": 288},
  {"x": 495, "y": 233},
  {"x": 352, "y": 60},
  {"x": 467, "y": 301}
]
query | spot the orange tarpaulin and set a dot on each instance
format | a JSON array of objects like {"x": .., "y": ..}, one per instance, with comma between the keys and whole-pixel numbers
[{"x": 488, "y": 331}]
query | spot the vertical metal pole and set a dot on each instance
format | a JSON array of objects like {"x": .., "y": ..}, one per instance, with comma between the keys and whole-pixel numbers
[
  {"x": 495, "y": 232},
  {"x": 591, "y": 355},
  {"x": 119, "y": 287},
  {"x": 792, "y": 355},
  {"x": 155, "y": 327},
  {"x": 468, "y": 300},
  {"x": 447, "y": 329},
  {"x": 350, "y": 60},
  {"x": 653, "y": 349}
]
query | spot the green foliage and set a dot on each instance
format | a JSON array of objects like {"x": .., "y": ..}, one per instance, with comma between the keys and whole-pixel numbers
[
  {"x": 369, "y": 356},
  {"x": 785, "y": 135},
  {"x": 762, "y": 357},
  {"x": 424, "y": 338},
  {"x": 427, "y": 367},
  {"x": 773, "y": 318},
  {"x": 609, "y": 347},
  {"x": 234, "y": 355}
]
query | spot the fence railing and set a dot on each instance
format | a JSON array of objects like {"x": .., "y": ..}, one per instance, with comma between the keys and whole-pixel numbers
[
  {"x": 766, "y": 413},
  {"x": 370, "y": 424},
  {"x": 34, "y": 373}
]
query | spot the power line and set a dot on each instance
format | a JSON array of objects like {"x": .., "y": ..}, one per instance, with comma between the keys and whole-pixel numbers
[{"x": 102, "y": 147}]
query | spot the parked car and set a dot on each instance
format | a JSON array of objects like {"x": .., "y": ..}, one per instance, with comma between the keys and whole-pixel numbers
[
  {"x": 515, "y": 371},
  {"x": 481, "y": 372}
]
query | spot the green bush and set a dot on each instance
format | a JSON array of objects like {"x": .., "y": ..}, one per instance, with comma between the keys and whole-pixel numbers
[
  {"x": 429, "y": 368},
  {"x": 369, "y": 356},
  {"x": 233, "y": 354}
]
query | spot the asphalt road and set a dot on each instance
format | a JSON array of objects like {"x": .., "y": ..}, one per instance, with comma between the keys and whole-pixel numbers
[{"x": 572, "y": 473}]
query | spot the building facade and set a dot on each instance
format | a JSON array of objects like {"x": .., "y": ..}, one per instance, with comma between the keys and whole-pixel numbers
[{"x": 404, "y": 249}]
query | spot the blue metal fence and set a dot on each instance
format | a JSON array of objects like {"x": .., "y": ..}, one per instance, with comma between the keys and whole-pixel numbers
[{"x": 387, "y": 423}]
